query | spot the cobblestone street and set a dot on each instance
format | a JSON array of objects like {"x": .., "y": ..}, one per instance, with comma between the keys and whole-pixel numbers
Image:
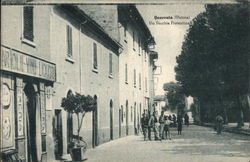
[{"x": 196, "y": 144}]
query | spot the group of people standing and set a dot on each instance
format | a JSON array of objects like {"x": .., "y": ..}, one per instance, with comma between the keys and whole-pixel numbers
[{"x": 160, "y": 125}]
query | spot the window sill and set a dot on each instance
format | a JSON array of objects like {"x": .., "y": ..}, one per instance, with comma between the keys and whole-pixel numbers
[
  {"x": 111, "y": 76},
  {"x": 28, "y": 42},
  {"x": 70, "y": 60},
  {"x": 95, "y": 70},
  {"x": 126, "y": 82}
]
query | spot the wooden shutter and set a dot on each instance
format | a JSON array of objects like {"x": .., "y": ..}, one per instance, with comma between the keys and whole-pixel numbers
[
  {"x": 69, "y": 41},
  {"x": 94, "y": 56},
  {"x": 28, "y": 23}
]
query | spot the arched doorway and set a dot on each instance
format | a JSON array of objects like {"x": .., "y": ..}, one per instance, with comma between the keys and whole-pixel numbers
[
  {"x": 95, "y": 124},
  {"x": 126, "y": 117},
  {"x": 69, "y": 124},
  {"x": 111, "y": 119},
  {"x": 31, "y": 115},
  {"x": 120, "y": 120},
  {"x": 135, "y": 116}
]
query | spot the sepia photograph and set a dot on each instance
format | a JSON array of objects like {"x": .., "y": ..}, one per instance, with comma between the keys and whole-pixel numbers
[{"x": 125, "y": 81}]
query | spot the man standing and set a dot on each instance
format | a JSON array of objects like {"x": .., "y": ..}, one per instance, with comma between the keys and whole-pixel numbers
[
  {"x": 144, "y": 125},
  {"x": 219, "y": 122},
  {"x": 186, "y": 118},
  {"x": 154, "y": 124},
  {"x": 161, "y": 121}
]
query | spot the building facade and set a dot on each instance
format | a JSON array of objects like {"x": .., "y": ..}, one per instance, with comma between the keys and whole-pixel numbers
[
  {"x": 136, "y": 65},
  {"x": 50, "y": 52}
]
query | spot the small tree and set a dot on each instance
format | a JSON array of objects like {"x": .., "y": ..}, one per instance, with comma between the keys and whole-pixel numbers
[{"x": 78, "y": 104}]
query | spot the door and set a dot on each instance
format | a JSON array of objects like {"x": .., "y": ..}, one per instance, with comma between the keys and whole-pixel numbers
[
  {"x": 57, "y": 127},
  {"x": 135, "y": 116},
  {"x": 95, "y": 124},
  {"x": 30, "y": 105},
  {"x": 127, "y": 117},
  {"x": 120, "y": 122},
  {"x": 111, "y": 120}
]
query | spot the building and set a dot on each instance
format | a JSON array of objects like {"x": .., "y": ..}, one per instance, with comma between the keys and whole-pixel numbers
[
  {"x": 136, "y": 61},
  {"x": 87, "y": 63},
  {"x": 27, "y": 82},
  {"x": 33, "y": 86},
  {"x": 50, "y": 52}
]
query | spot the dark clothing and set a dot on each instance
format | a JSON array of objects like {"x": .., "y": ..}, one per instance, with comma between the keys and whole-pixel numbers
[
  {"x": 186, "y": 120},
  {"x": 219, "y": 123},
  {"x": 179, "y": 125},
  {"x": 144, "y": 125}
]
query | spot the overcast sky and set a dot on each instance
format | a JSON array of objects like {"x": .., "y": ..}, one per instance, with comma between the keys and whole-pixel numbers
[{"x": 169, "y": 37}]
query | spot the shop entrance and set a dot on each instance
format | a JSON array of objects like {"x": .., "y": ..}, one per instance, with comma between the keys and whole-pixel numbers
[
  {"x": 30, "y": 104},
  {"x": 58, "y": 134}
]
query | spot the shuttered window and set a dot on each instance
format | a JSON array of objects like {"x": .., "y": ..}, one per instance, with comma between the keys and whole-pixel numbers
[
  {"x": 134, "y": 78},
  {"x": 95, "y": 65},
  {"x": 28, "y": 23},
  {"x": 69, "y": 41},
  {"x": 110, "y": 64},
  {"x": 126, "y": 73},
  {"x": 140, "y": 81}
]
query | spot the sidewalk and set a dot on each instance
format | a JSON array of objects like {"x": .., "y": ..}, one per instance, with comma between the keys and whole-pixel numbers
[{"x": 232, "y": 128}]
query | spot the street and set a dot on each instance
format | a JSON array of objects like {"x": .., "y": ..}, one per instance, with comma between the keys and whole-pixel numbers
[{"x": 196, "y": 144}]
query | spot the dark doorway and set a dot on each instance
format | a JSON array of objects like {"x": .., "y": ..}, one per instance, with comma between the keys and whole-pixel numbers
[
  {"x": 135, "y": 116},
  {"x": 30, "y": 96},
  {"x": 120, "y": 121},
  {"x": 69, "y": 125},
  {"x": 95, "y": 124},
  {"x": 111, "y": 119},
  {"x": 58, "y": 134},
  {"x": 126, "y": 117}
]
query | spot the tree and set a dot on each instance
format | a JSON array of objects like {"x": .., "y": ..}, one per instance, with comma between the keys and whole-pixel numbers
[
  {"x": 175, "y": 96},
  {"x": 214, "y": 62},
  {"x": 79, "y": 104}
]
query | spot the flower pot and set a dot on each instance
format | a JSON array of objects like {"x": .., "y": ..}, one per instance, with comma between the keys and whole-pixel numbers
[{"x": 77, "y": 154}]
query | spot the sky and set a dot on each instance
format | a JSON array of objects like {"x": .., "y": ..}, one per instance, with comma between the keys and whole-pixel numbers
[{"x": 168, "y": 37}]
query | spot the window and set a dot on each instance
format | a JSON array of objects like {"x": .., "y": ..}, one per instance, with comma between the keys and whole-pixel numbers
[
  {"x": 125, "y": 32},
  {"x": 146, "y": 84},
  {"x": 126, "y": 73},
  {"x": 28, "y": 23},
  {"x": 133, "y": 40},
  {"x": 69, "y": 41},
  {"x": 110, "y": 64},
  {"x": 140, "y": 81},
  {"x": 95, "y": 65},
  {"x": 134, "y": 78},
  {"x": 139, "y": 46},
  {"x": 131, "y": 113}
]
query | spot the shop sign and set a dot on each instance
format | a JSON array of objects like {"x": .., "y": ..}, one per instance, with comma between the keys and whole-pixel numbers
[
  {"x": 20, "y": 114},
  {"x": 43, "y": 112},
  {"x": 18, "y": 62}
]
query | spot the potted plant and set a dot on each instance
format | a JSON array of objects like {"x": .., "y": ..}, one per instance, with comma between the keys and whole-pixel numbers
[{"x": 78, "y": 104}]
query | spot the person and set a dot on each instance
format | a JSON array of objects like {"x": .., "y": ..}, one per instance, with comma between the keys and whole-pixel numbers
[
  {"x": 186, "y": 118},
  {"x": 161, "y": 121},
  {"x": 219, "y": 123},
  {"x": 179, "y": 124},
  {"x": 167, "y": 127},
  {"x": 154, "y": 124},
  {"x": 174, "y": 120},
  {"x": 144, "y": 125}
]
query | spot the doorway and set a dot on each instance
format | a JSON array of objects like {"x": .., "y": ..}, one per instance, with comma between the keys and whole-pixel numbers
[
  {"x": 30, "y": 104},
  {"x": 111, "y": 119},
  {"x": 69, "y": 125},
  {"x": 135, "y": 116},
  {"x": 127, "y": 117},
  {"x": 95, "y": 124},
  {"x": 120, "y": 121},
  {"x": 58, "y": 134}
]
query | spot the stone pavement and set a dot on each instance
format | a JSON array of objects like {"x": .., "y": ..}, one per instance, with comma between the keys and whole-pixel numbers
[{"x": 196, "y": 144}]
